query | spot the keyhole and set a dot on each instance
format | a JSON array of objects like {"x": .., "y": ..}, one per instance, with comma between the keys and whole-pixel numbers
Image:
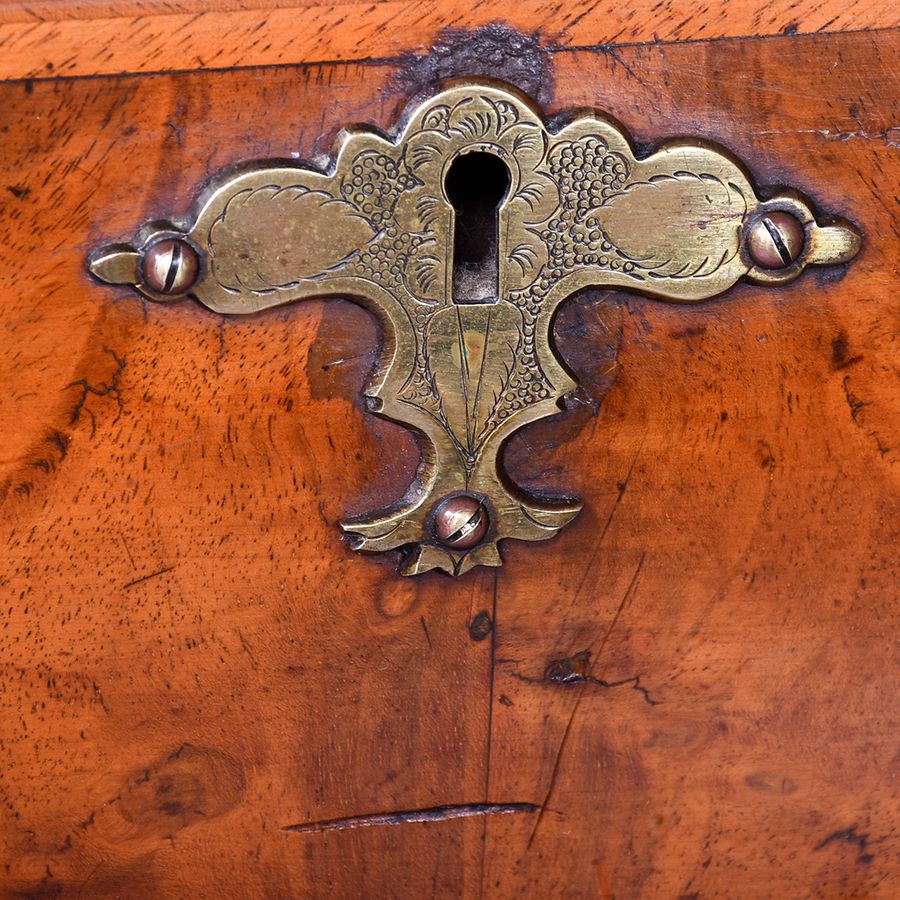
[{"x": 476, "y": 185}]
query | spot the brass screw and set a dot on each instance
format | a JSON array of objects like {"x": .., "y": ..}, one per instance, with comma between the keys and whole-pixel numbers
[
  {"x": 775, "y": 240},
  {"x": 460, "y": 522},
  {"x": 170, "y": 267}
]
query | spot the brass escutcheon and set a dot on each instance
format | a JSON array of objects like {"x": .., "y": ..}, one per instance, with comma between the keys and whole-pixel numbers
[{"x": 467, "y": 311}]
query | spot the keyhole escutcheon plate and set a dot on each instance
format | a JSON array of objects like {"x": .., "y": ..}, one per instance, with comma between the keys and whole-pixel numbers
[{"x": 466, "y": 287}]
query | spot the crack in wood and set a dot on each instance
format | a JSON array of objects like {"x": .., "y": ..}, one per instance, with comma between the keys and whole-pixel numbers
[
  {"x": 629, "y": 593},
  {"x": 401, "y": 817}
]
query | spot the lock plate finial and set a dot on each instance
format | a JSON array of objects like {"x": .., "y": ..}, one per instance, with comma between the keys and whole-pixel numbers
[{"x": 467, "y": 358}]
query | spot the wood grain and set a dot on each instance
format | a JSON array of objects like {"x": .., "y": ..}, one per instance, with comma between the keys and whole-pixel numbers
[
  {"x": 690, "y": 692},
  {"x": 49, "y": 39}
]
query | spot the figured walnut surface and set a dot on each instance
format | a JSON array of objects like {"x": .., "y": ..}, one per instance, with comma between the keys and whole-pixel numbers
[
  {"x": 691, "y": 691},
  {"x": 58, "y": 37}
]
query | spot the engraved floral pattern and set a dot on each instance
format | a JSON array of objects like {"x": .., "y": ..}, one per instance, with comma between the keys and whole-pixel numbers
[
  {"x": 580, "y": 210},
  {"x": 569, "y": 210}
]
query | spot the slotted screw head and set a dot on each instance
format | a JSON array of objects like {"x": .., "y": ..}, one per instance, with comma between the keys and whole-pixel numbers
[
  {"x": 460, "y": 522},
  {"x": 170, "y": 267},
  {"x": 775, "y": 240}
]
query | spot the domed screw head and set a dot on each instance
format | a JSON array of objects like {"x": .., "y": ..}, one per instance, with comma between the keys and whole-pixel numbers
[
  {"x": 170, "y": 267},
  {"x": 775, "y": 240},
  {"x": 460, "y": 522}
]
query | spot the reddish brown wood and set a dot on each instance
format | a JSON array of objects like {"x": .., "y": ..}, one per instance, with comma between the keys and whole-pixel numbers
[
  {"x": 690, "y": 692},
  {"x": 48, "y": 38}
]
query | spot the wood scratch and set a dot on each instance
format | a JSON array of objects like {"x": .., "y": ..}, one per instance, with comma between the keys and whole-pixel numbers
[
  {"x": 629, "y": 593},
  {"x": 342, "y": 360},
  {"x": 144, "y": 578},
  {"x": 425, "y": 629},
  {"x": 622, "y": 487},
  {"x": 247, "y": 649},
  {"x": 127, "y": 551},
  {"x": 402, "y": 817}
]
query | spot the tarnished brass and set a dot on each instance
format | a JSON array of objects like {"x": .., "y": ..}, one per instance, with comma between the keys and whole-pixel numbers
[{"x": 467, "y": 357}]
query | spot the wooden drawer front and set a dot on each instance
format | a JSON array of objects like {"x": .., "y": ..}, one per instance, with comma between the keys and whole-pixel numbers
[{"x": 193, "y": 660}]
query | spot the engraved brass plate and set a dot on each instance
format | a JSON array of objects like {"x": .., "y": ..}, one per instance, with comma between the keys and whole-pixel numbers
[{"x": 467, "y": 357}]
